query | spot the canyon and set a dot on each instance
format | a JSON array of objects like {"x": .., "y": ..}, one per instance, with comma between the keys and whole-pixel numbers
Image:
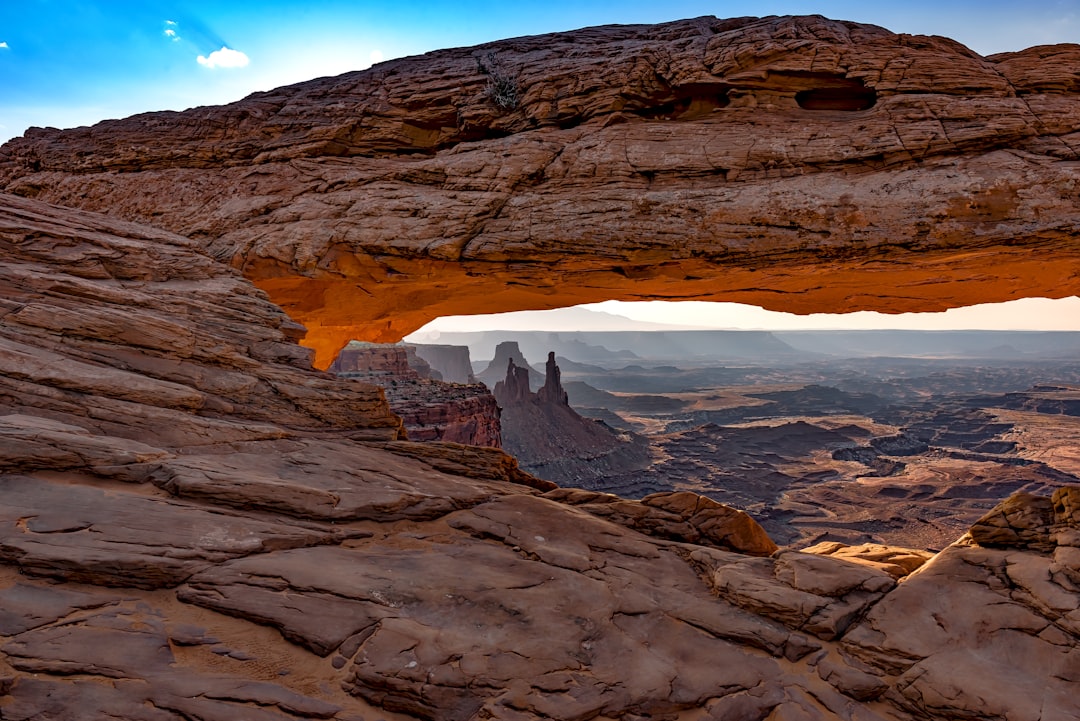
[
  {"x": 196, "y": 523},
  {"x": 896, "y": 438}
]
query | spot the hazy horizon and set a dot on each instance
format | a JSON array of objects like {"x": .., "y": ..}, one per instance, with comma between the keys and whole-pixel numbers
[{"x": 1028, "y": 314}]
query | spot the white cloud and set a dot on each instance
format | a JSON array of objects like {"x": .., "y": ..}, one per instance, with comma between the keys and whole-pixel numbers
[
  {"x": 170, "y": 22},
  {"x": 224, "y": 58},
  {"x": 4, "y": 45},
  {"x": 376, "y": 56},
  {"x": 170, "y": 32}
]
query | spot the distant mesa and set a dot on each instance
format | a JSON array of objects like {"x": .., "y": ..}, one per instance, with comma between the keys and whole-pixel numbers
[
  {"x": 617, "y": 349},
  {"x": 452, "y": 362},
  {"x": 507, "y": 352}
]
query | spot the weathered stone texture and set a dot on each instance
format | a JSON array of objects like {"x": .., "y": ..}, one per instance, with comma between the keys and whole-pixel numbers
[
  {"x": 197, "y": 525},
  {"x": 267, "y": 563}
]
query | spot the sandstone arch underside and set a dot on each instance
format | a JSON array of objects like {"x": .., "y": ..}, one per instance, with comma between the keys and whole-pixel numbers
[{"x": 800, "y": 164}]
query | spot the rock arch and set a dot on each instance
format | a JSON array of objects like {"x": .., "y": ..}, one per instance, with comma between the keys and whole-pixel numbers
[{"x": 800, "y": 164}]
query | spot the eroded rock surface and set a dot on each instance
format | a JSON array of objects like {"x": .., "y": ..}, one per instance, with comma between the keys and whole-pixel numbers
[
  {"x": 800, "y": 164},
  {"x": 222, "y": 565},
  {"x": 430, "y": 409},
  {"x": 197, "y": 525},
  {"x": 552, "y": 440}
]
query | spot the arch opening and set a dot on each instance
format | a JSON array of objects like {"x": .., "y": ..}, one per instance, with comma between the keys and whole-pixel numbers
[
  {"x": 382, "y": 299},
  {"x": 781, "y": 420},
  {"x": 686, "y": 102}
]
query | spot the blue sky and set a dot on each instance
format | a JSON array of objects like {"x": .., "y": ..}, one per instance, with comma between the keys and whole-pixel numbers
[{"x": 65, "y": 63}]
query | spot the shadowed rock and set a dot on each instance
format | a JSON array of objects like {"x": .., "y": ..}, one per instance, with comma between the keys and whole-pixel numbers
[{"x": 551, "y": 440}]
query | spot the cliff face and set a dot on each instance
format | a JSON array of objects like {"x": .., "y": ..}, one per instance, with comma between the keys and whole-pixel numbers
[
  {"x": 800, "y": 164},
  {"x": 430, "y": 409},
  {"x": 551, "y": 440},
  {"x": 452, "y": 362}
]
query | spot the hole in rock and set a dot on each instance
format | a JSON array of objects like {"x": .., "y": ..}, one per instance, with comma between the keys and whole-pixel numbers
[
  {"x": 848, "y": 98},
  {"x": 689, "y": 102},
  {"x": 815, "y": 424}
]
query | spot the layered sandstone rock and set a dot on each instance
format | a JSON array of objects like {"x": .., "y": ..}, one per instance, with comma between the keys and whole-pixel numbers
[
  {"x": 800, "y": 164},
  {"x": 551, "y": 440},
  {"x": 430, "y": 409},
  {"x": 1019, "y": 612},
  {"x": 196, "y": 525},
  {"x": 378, "y": 360}
]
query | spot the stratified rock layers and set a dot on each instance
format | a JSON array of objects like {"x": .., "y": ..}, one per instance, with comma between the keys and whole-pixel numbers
[
  {"x": 430, "y": 409},
  {"x": 192, "y": 525},
  {"x": 196, "y": 525},
  {"x": 801, "y": 164}
]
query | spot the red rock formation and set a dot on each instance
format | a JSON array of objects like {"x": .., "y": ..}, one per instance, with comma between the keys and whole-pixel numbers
[
  {"x": 433, "y": 411},
  {"x": 800, "y": 164},
  {"x": 551, "y": 440},
  {"x": 193, "y": 525},
  {"x": 375, "y": 360},
  {"x": 187, "y": 510},
  {"x": 430, "y": 409}
]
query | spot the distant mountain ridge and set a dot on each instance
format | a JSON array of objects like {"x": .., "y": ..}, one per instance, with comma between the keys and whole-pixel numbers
[
  {"x": 614, "y": 349},
  {"x": 619, "y": 348},
  {"x": 986, "y": 344}
]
